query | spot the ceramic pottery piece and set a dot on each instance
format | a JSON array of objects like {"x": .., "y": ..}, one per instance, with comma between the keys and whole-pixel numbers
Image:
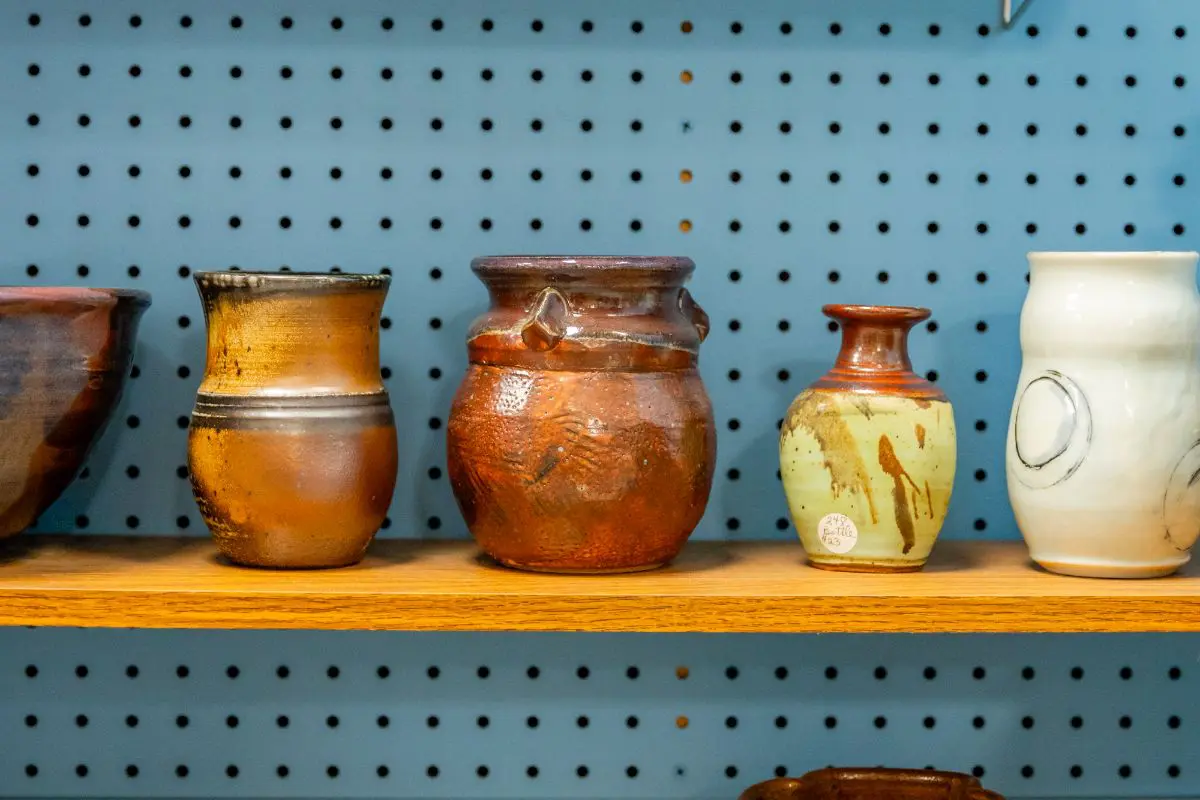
[
  {"x": 1103, "y": 453},
  {"x": 581, "y": 438},
  {"x": 867, "y": 453},
  {"x": 872, "y": 783},
  {"x": 64, "y": 356},
  {"x": 292, "y": 445}
]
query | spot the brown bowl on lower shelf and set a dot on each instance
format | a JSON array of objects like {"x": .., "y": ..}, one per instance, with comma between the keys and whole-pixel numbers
[
  {"x": 872, "y": 783},
  {"x": 64, "y": 355}
]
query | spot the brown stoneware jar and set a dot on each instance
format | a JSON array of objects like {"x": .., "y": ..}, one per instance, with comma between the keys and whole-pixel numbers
[
  {"x": 292, "y": 446},
  {"x": 64, "y": 355},
  {"x": 581, "y": 439},
  {"x": 868, "y": 452},
  {"x": 872, "y": 783}
]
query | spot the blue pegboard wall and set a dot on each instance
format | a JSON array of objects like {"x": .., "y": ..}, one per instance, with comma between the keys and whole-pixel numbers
[
  {"x": 253, "y": 714},
  {"x": 858, "y": 152},
  {"x": 802, "y": 153}
]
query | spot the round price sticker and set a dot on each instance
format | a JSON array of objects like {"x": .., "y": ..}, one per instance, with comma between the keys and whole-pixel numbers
[{"x": 838, "y": 533}]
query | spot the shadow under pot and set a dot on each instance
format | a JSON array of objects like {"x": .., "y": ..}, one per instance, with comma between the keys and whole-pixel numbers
[
  {"x": 581, "y": 439},
  {"x": 872, "y": 783},
  {"x": 292, "y": 444}
]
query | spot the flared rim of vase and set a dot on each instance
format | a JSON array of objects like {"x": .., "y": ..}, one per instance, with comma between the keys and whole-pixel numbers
[
  {"x": 1103, "y": 256},
  {"x": 252, "y": 279},
  {"x": 868, "y": 313},
  {"x": 590, "y": 264}
]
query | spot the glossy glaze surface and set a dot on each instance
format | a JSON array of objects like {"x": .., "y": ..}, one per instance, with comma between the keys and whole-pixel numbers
[
  {"x": 1103, "y": 449},
  {"x": 872, "y": 783},
  {"x": 581, "y": 438},
  {"x": 64, "y": 356},
  {"x": 868, "y": 452},
  {"x": 292, "y": 445}
]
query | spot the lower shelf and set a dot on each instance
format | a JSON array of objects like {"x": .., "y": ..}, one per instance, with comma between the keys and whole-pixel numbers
[{"x": 968, "y": 587}]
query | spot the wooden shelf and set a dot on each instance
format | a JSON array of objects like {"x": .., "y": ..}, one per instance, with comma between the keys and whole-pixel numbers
[{"x": 970, "y": 587}]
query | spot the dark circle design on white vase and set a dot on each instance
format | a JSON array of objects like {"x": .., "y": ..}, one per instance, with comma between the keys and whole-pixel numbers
[
  {"x": 1181, "y": 501},
  {"x": 1052, "y": 446}
]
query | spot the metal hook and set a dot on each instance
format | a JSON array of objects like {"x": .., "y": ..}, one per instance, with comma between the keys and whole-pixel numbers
[{"x": 1007, "y": 16}]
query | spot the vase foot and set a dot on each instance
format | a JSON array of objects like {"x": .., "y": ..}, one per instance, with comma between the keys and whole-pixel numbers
[
  {"x": 867, "y": 566},
  {"x": 1127, "y": 571},
  {"x": 299, "y": 566},
  {"x": 552, "y": 570}
]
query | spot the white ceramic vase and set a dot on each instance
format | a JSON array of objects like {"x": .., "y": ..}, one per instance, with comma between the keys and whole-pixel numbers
[{"x": 1103, "y": 453}]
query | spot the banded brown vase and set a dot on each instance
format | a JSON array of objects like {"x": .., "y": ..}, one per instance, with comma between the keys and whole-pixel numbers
[{"x": 292, "y": 444}]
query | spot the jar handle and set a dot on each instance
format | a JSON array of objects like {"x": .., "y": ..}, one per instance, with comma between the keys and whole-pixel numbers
[
  {"x": 774, "y": 789},
  {"x": 548, "y": 325},
  {"x": 692, "y": 310}
]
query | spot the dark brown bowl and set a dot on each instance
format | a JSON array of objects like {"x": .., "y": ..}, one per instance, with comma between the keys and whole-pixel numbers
[
  {"x": 64, "y": 355},
  {"x": 872, "y": 783}
]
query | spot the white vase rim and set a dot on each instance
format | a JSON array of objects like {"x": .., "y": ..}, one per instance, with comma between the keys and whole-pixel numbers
[{"x": 1084, "y": 256}]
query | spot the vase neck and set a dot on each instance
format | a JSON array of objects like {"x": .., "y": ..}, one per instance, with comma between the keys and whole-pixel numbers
[
  {"x": 875, "y": 338},
  {"x": 874, "y": 354},
  {"x": 874, "y": 347},
  {"x": 283, "y": 335}
]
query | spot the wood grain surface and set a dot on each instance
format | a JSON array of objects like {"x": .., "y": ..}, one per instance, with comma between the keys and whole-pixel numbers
[{"x": 968, "y": 587}]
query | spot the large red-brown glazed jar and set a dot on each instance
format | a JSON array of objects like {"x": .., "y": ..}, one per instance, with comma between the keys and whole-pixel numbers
[
  {"x": 64, "y": 355},
  {"x": 872, "y": 783},
  {"x": 581, "y": 439}
]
